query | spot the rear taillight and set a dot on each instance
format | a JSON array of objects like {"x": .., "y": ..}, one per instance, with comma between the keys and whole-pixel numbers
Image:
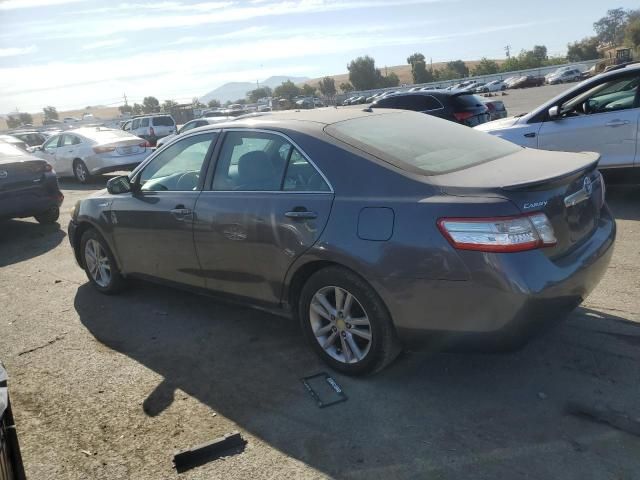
[
  {"x": 462, "y": 116},
  {"x": 490, "y": 106},
  {"x": 152, "y": 132},
  {"x": 603, "y": 189},
  {"x": 104, "y": 148},
  {"x": 499, "y": 234}
]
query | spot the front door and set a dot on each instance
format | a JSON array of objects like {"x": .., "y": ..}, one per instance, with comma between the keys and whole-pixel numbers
[
  {"x": 66, "y": 153},
  {"x": 267, "y": 205},
  {"x": 153, "y": 227},
  {"x": 603, "y": 119}
]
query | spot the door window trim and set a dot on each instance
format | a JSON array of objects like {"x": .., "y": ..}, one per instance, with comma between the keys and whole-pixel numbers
[{"x": 209, "y": 182}]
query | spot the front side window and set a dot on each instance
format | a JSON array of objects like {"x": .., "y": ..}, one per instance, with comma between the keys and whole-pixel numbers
[
  {"x": 178, "y": 167},
  {"x": 610, "y": 96},
  {"x": 144, "y": 123},
  {"x": 135, "y": 124},
  {"x": 68, "y": 140},
  {"x": 52, "y": 144},
  {"x": 251, "y": 161}
]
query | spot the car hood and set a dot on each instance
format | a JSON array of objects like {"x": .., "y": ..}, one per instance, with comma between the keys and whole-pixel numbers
[{"x": 498, "y": 124}]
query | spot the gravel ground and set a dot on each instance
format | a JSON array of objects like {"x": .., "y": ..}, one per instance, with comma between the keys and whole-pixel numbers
[{"x": 109, "y": 387}]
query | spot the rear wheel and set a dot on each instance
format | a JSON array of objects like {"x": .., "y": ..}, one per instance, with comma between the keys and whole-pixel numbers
[
  {"x": 49, "y": 216},
  {"x": 99, "y": 263},
  {"x": 81, "y": 172},
  {"x": 346, "y": 322}
]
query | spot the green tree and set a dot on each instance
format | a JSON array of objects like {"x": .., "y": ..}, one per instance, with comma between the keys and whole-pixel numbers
[
  {"x": 13, "y": 121},
  {"x": 136, "y": 109},
  {"x": 458, "y": 67},
  {"x": 632, "y": 32},
  {"x": 346, "y": 87},
  {"x": 287, "y": 90},
  {"x": 363, "y": 73},
  {"x": 50, "y": 113},
  {"x": 610, "y": 28},
  {"x": 25, "y": 118},
  {"x": 585, "y": 49},
  {"x": 213, "y": 103},
  {"x": 167, "y": 105},
  {"x": 416, "y": 57},
  {"x": 150, "y": 104},
  {"x": 327, "y": 86},
  {"x": 258, "y": 93},
  {"x": 390, "y": 80},
  {"x": 125, "y": 109},
  {"x": 419, "y": 70},
  {"x": 308, "y": 90},
  {"x": 486, "y": 67},
  {"x": 196, "y": 103}
]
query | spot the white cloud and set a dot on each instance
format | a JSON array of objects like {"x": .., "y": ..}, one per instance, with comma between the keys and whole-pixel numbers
[
  {"x": 102, "y": 44},
  {"x": 15, "y": 51},
  {"x": 17, "y": 4}
]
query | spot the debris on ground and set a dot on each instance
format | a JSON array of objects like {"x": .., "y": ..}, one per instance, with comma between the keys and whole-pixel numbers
[
  {"x": 603, "y": 414},
  {"x": 230, "y": 444}
]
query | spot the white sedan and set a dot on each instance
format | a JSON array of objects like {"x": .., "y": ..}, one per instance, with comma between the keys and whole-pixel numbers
[
  {"x": 495, "y": 86},
  {"x": 84, "y": 152},
  {"x": 598, "y": 115}
]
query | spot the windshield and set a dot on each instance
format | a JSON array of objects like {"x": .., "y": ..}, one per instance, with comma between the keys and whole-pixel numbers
[{"x": 420, "y": 143}]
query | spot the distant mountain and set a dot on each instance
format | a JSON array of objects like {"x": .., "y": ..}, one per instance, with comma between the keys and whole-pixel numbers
[{"x": 235, "y": 90}]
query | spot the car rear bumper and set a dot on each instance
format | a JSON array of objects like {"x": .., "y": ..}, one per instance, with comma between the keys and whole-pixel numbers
[
  {"x": 99, "y": 164},
  {"x": 30, "y": 201},
  {"x": 509, "y": 296}
]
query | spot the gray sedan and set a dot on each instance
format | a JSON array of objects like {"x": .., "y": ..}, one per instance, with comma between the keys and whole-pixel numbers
[{"x": 374, "y": 229}]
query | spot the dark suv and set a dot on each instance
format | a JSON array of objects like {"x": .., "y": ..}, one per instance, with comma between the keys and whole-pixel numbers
[{"x": 456, "y": 106}]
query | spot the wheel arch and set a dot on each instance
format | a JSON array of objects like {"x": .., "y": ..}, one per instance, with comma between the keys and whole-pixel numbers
[{"x": 81, "y": 228}]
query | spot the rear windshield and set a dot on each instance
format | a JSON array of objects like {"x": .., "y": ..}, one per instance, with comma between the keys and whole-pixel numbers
[
  {"x": 163, "y": 122},
  {"x": 467, "y": 101},
  {"x": 420, "y": 143}
]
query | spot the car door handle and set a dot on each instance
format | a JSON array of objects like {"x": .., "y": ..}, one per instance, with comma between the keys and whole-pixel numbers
[
  {"x": 181, "y": 213},
  {"x": 617, "y": 123},
  {"x": 297, "y": 214},
  {"x": 530, "y": 135}
]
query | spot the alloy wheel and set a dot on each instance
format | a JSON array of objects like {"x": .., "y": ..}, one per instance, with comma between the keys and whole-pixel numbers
[
  {"x": 81, "y": 172},
  {"x": 97, "y": 262},
  {"x": 340, "y": 324}
]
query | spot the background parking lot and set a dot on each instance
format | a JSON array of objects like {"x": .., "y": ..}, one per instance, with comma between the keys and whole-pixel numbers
[{"x": 109, "y": 387}]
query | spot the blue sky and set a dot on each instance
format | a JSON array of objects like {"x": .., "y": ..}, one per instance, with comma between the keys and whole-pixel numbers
[{"x": 72, "y": 53}]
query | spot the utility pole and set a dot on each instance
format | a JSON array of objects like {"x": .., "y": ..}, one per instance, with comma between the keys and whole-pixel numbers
[
  {"x": 507, "y": 50},
  {"x": 124, "y": 95}
]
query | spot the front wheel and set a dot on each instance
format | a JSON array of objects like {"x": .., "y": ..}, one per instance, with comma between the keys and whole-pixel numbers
[
  {"x": 99, "y": 263},
  {"x": 48, "y": 217},
  {"x": 346, "y": 322}
]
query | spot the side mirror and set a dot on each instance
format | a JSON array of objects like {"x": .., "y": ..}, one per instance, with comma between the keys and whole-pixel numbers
[
  {"x": 118, "y": 185},
  {"x": 554, "y": 112}
]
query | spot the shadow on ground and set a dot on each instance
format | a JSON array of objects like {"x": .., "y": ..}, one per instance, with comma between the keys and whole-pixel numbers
[
  {"x": 624, "y": 201},
  {"x": 22, "y": 239},
  {"x": 429, "y": 414},
  {"x": 97, "y": 182}
]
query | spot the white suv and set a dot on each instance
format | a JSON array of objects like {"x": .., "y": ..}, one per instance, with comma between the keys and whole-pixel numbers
[{"x": 151, "y": 127}]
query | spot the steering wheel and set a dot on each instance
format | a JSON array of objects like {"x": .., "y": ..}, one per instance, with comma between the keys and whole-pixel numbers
[{"x": 188, "y": 179}]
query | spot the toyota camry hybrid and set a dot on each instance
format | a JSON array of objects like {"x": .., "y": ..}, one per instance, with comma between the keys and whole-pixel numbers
[{"x": 373, "y": 229}]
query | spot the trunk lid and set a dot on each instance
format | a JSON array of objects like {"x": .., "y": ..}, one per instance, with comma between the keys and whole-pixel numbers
[
  {"x": 565, "y": 186},
  {"x": 17, "y": 174}
]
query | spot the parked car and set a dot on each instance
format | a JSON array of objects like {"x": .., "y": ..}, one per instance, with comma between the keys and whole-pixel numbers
[
  {"x": 28, "y": 186},
  {"x": 454, "y": 105},
  {"x": 11, "y": 467},
  {"x": 497, "y": 110},
  {"x": 471, "y": 87},
  {"x": 494, "y": 86},
  {"x": 85, "y": 152},
  {"x": 13, "y": 140},
  {"x": 198, "y": 122},
  {"x": 510, "y": 80},
  {"x": 453, "y": 231},
  {"x": 371, "y": 98},
  {"x": 527, "y": 81},
  {"x": 565, "y": 76},
  {"x": 70, "y": 120},
  {"x": 153, "y": 127},
  {"x": 599, "y": 114},
  {"x": 52, "y": 121},
  {"x": 30, "y": 138}
]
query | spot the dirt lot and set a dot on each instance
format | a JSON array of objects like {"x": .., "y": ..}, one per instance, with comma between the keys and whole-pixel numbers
[{"x": 108, "y": 387}]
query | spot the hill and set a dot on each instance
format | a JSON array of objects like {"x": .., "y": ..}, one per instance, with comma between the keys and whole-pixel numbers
[{"x": 234, "y": 90}]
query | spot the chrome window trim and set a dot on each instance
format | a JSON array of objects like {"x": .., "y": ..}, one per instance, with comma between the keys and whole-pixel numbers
[{"x": 296, "y": 146}]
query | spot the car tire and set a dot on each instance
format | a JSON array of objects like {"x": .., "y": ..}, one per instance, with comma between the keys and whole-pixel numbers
[
  {"x": 49, "y": 216},
  {"x": 331, "y": 328},
  {"x": 99, "y": 263},
  {"x": 81, "y": 172}
]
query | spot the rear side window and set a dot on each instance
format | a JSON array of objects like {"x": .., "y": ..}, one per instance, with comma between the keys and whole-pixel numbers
[
  {"x": 144, "y": 122},
  {"x": 163, "y": 121},
  {"x": 388, "y": 102},
  {"x": 420, "y": 143}
]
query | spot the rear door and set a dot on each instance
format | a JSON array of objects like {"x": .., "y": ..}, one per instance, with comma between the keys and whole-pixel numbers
[
  {"x": 603, "y": 119},
  {"x": 266, "y": 205},
  {"x": 153, "y": 227}
]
